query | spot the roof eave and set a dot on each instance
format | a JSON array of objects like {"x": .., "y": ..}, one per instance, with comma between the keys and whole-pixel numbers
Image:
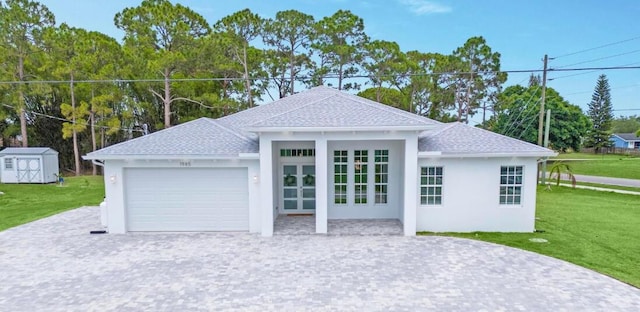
[
  {"x": 436, "y": 154},
  {"x": 170, "y": 157}
]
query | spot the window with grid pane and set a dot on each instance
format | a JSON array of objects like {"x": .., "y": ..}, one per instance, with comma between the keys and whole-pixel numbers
[
  {"x": 431, "y": 185},
  {"x": 340, "y": 160},
  {"x": 8, "y": 164},
  {"x": 360, "y": 161},
  {"x": 382, "y": 175},
  {"x": 510, "y": 185}
]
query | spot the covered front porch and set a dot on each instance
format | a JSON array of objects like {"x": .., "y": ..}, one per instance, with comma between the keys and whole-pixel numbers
[
  {"x": 338, "y": 183},
  {"x": 306, "y": 225}
]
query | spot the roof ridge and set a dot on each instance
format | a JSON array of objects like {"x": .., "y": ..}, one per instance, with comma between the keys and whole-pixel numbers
[
  {"x": 384, "y": 107},
  {"x": 295, "y": 109},
  {"x": 219, "y": 125}
]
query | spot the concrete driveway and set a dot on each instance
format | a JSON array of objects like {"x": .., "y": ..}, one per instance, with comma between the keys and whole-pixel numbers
[{"x": 55, "y": 265}]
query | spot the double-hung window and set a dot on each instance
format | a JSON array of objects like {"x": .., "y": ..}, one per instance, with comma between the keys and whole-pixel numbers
[
  {"x": 360, "y": 169},
  {"x": 382, "y": 176},
  {"x": 511, "y": 185},
  {"x": 340, "y": 160},
  {"x": 431, "y": 185}
]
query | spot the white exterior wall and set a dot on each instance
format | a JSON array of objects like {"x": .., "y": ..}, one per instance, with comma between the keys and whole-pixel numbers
[
  {"x": 50, "y": 168},
  {"x": 7, "y": 176},
  {"x": 114, "y": 191},
  {"x": 470, "y": 202}
]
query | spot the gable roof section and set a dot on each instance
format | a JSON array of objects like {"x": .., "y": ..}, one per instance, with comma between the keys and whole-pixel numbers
[
  {"x": 202, "y": 137},
  {"x": 27, "y": 151},
  {"x": 627, "y": 136},
  {"x": 323, "y": 108},
  {"x": 461, "y": 139}
]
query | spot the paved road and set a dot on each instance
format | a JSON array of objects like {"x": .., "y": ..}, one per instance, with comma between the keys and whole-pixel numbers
[
  {"x": 54, "y": 265},
  {"x": 605, "y": 180}
]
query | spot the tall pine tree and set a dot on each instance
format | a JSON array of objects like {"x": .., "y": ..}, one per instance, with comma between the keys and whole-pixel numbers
[{"x": 601, "y": 115}]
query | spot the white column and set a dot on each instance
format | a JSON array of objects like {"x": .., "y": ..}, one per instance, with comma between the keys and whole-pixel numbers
[
  {"x": 266, "y": 186},
  {"x": 114, "y": 193},
  {"x": 410, "y": 185},
  {"x": 321, "y": 185}
]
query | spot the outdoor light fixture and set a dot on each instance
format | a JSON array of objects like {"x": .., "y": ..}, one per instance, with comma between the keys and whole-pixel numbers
[
  {"x": 112, "y": 179},
  {"x": 255, "y": 179}
]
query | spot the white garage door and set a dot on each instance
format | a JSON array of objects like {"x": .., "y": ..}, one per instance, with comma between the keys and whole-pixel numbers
[{"x": 187, "y": 199}]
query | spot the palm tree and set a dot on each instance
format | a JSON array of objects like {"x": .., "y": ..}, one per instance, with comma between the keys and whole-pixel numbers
[{"x": 559, "y": 168}]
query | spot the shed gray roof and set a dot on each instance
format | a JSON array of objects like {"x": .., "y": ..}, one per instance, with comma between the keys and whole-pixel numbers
[
  {"x": 628, "y": 136},
  {"x": 200, "y": 137},
  {"x": 27, "y": 151},
  {"x": 458, "y": 138}
]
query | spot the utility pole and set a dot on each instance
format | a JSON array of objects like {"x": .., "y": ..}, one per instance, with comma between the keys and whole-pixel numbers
[
  {"x": 544, "y": 91},
  {"x": 546, "y": 144},
  {"x": 541, "y": 118}
]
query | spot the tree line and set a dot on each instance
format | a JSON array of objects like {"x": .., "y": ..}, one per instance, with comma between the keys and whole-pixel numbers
[{"x": 78, "y": 90}]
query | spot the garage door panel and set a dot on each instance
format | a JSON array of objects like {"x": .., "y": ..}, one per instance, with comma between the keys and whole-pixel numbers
[{"x": 187, "y": 199}]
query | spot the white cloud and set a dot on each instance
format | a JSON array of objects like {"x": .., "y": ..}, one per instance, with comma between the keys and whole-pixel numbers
[{"x": 421, "y": 7}]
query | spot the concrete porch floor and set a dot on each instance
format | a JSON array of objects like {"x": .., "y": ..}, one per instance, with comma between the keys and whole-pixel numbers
[{"x": 306, "y": 225}]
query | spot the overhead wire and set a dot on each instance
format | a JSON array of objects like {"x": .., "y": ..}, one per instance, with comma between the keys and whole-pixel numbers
[
  {"x": 299, "y": 78},
  {"x": 585, "y": 73},
  {"x": 70, "y": 121},
  {"x": 596, "y": 59},
  {"x": 595, "y": 48}
]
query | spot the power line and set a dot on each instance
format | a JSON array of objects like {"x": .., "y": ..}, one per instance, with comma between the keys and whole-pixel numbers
[
  {"x": 614, "y": 88},
  {"x": 598, "y": 59},
  {"x": 67, "y": 120},
  {"x": 585, "y": 73},
  {"x": 595, "y": 48},
  {"x": 309, "y": 77}
]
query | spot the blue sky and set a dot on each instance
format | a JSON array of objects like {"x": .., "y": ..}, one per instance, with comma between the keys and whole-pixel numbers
[{"x": 522, "y": 31}]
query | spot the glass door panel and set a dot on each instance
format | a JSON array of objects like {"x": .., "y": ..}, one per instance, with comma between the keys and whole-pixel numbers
[
  {"x": 290, "y": 187},
  {"x": 308, "y": 187}
]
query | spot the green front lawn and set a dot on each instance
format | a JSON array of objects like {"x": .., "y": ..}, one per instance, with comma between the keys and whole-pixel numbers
[
  {"x": 615, "y": 166},
  {"x": 597, "y": 230},
  {"x": 22, "y": 203}
]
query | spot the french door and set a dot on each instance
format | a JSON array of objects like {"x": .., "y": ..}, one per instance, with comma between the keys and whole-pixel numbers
[{"x": 298, "y": 183}]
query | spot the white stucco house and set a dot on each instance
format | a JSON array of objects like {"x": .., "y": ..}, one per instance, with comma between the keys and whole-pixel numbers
[{"x": 322, "y": 152}]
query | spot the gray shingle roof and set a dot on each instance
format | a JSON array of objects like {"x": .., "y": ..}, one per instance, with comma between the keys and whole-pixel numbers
[
  {"x": 27, "y": 151},
  {"x": 322, "y": 107},
  {"x": 319, "y": 107},
  {"x": 200, "y": 137},
  {"x": 628, "y": 136},
  {"x": 457, "y": 138}
]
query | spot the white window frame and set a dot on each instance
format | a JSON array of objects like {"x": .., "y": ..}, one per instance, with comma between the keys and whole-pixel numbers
[
  {"x": 340, "y": 197},
  {"x": 361, "y": 177},
  {"x": 431, "y": 180},
  {"x": 381, "y": 183},
  {"x": 511, "y": 185},
  {"x": 8, "y": 164}
]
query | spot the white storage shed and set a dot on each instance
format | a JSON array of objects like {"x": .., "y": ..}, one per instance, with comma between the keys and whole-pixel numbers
[{"x": 28, "y": 165}]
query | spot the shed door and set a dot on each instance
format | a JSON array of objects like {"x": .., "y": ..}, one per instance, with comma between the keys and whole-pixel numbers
[
  {"x": 28, "y": 169},
  {"x": 187, "y": 199}
]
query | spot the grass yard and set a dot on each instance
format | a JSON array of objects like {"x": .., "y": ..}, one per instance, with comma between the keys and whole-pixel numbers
[
  {"x": 597, "y": 230},
  {"x": 22, "y": 203},
  {"x": 615, "y": 166}
]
